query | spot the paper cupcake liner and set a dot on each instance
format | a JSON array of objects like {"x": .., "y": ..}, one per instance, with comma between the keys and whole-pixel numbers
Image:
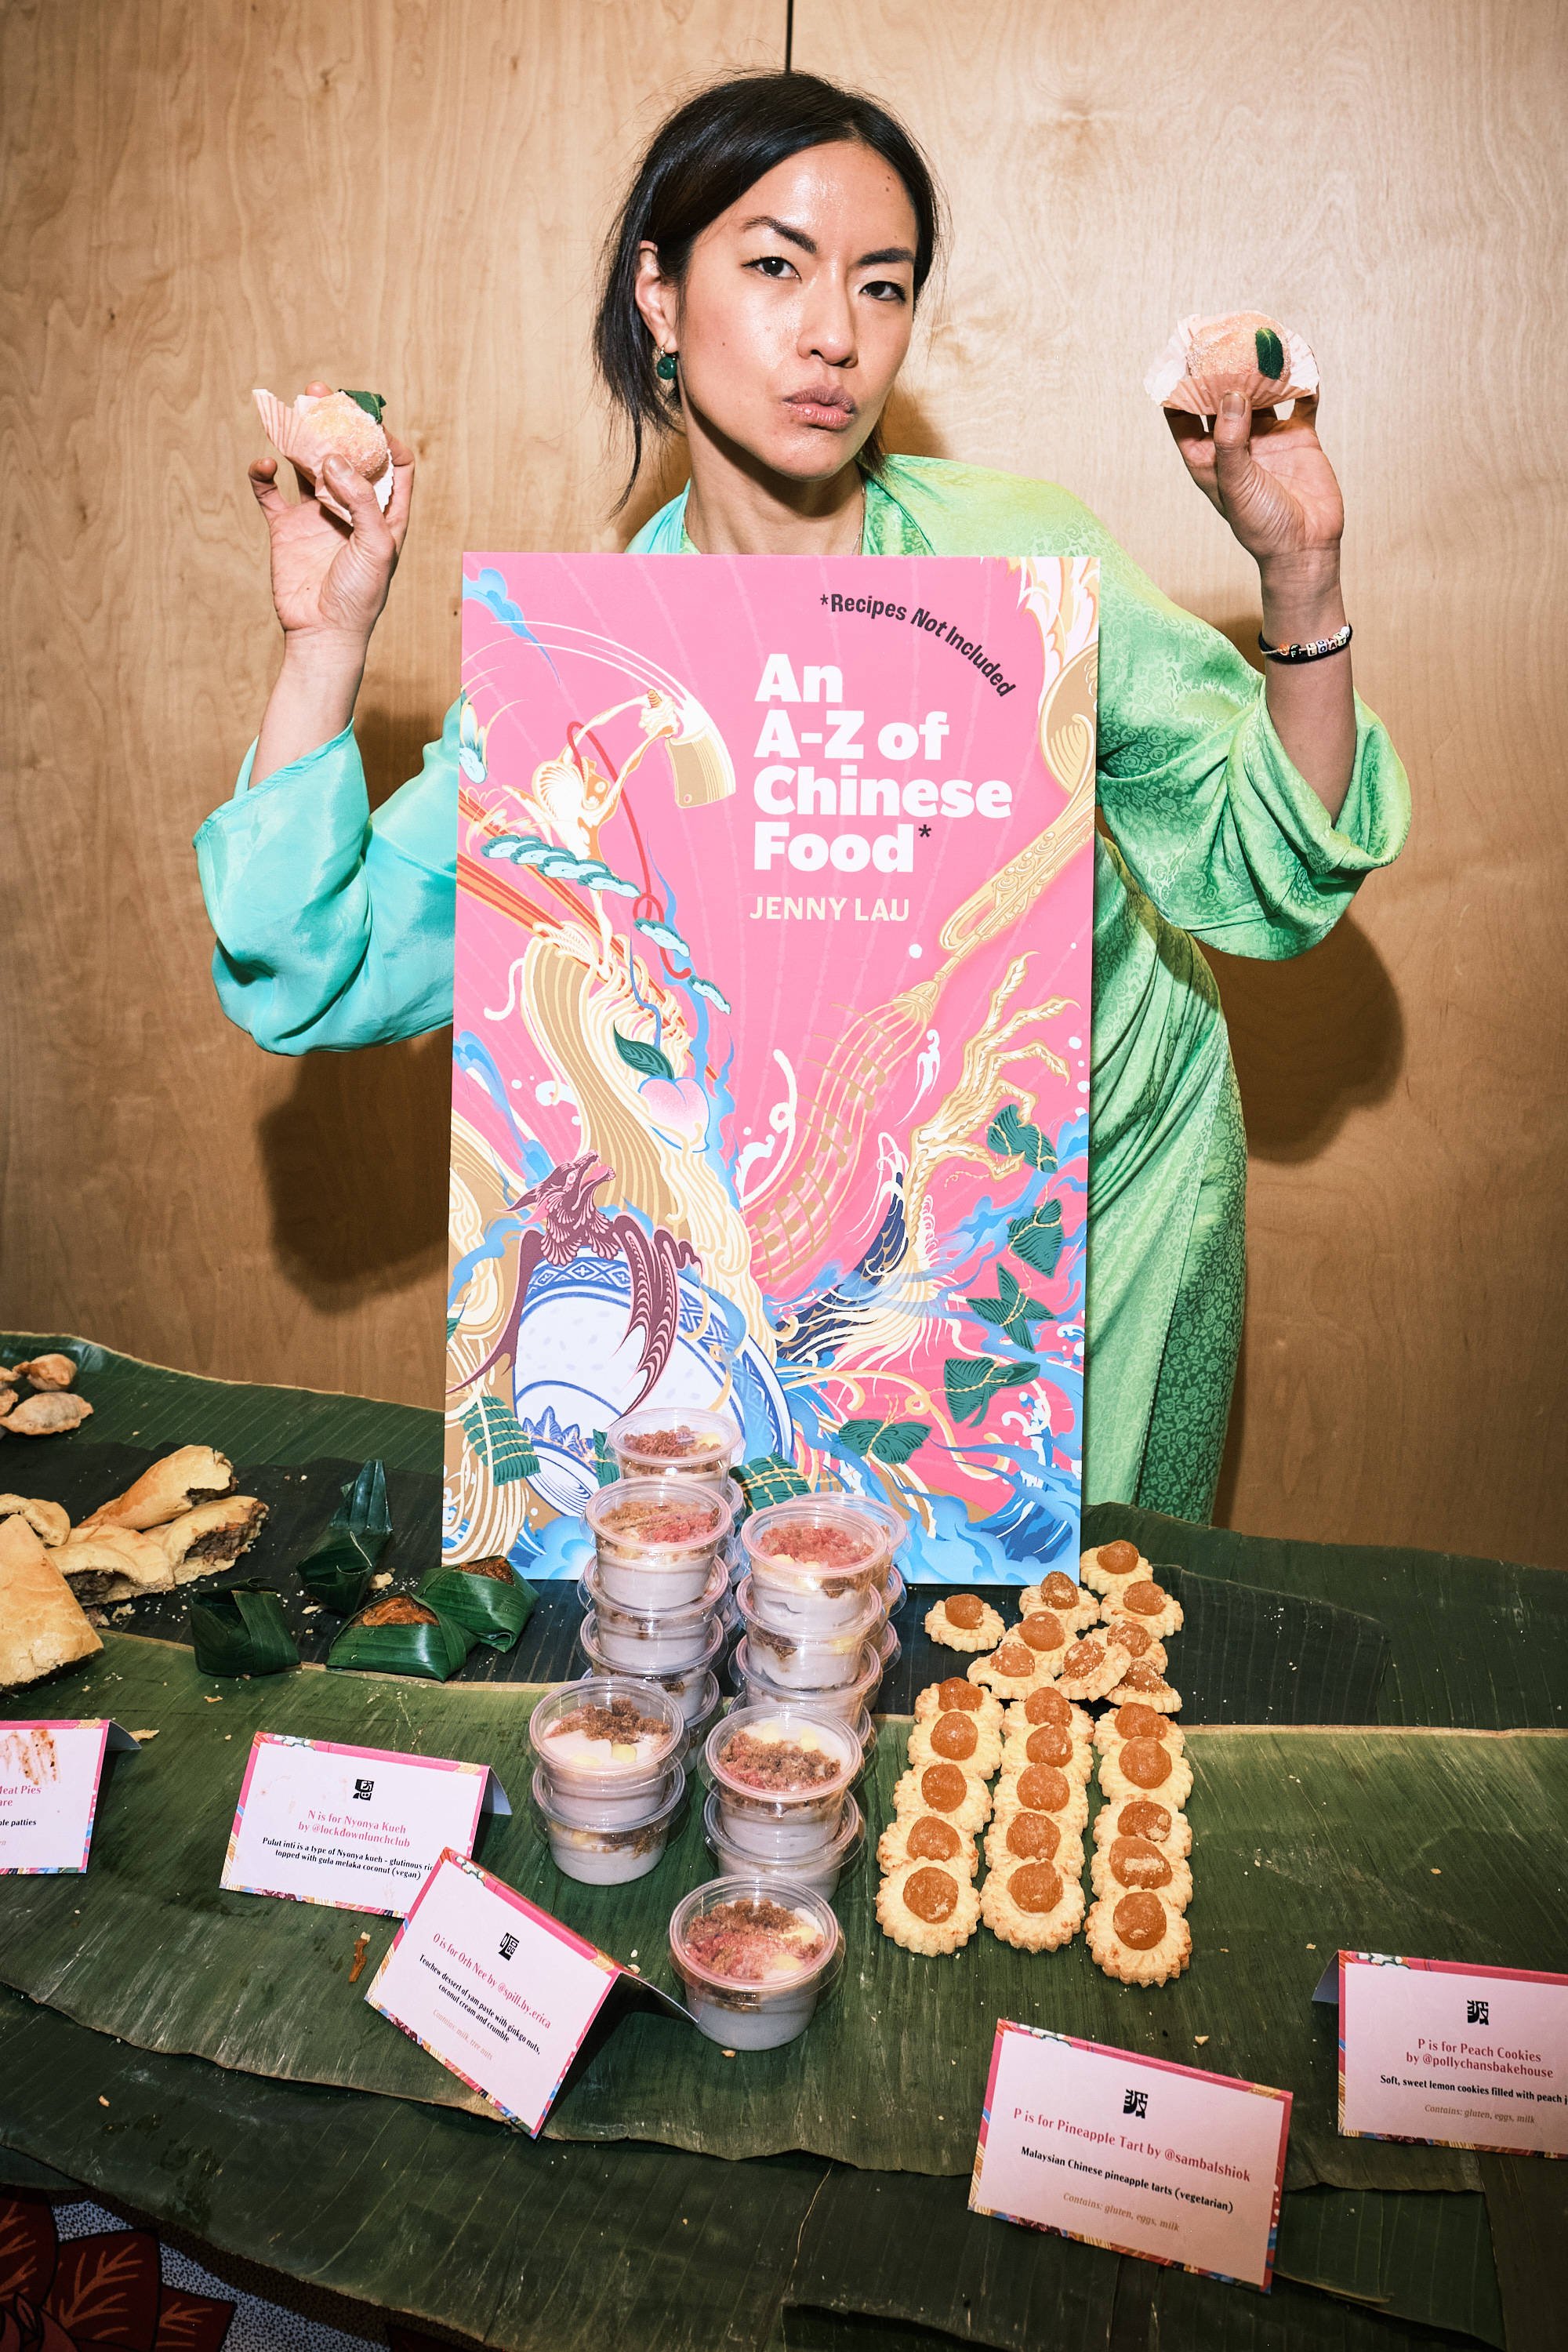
[
  {"x": 1169, "y": 383},
  {"x": 294, "y": 436}
]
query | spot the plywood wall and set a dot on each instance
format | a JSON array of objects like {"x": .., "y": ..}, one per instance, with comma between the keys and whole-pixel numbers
[{"x": 201, "y": 199}]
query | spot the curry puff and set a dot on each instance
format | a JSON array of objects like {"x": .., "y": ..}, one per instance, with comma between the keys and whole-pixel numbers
[
  {"x": 1144, "y": 1817},
  {"x": 1108, "y": 1566},
  {"x": 113, "y": 1564},
  {"x": 42, "y": 1623},
  {"x": 1032, "y": 1905},
  {"x": 1067, "y": 1600},
  {"x": 1095, "y": 1665},
  {"x": 1012, "y": 1670},
  {"x": 1239, "y": 351},
  {"x": 946, "y": 1790},
  {"x": 1139, "y": 1938},
  {"x": 49, "y": 1521},
  {"x": 1144, "y": 1603},
  {"x": 1034, "y": 1837},
  {"x": 1049, "y": 1743},
  {"x": 964, "y": 1622},
  {"x": 47, "y": 1413},
  {"x": 1049, "y": 1704},
  {"x": 191, "y": 1475},
  {"x": 1135, "y": 1865},
  {"x": 927, "y": 1837},
  {"x": 957, "y": 1738},
  {"x": 1042, "y": 1789},
  {"x": 927, "y": 1909},
  {"x": 1146, "y": 1768},
  {"x": 957, "y": 1694},
  {"x": 1132, "y": 1720},
  {"x": 200, "y": 1542}
]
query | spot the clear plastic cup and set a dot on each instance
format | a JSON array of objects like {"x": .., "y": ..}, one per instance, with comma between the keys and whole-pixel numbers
[
  {"x": 813, "y": 1561},
  {"x": 895, "y": 1592},
  {"x": 694, "y": 1688},
  {"x": 896, "y": 1525},
  {"x": 845, "y": 1700},
  {"x": 755, "y": 1954},
  {"x": 801, "y": 1661},
  {"x": 607, "y": 1854},
  {"x": 782, "y": 1773},
  {"x": 657, "y": 1539},
  {"x": 593, "y": 1776},
  {"x": 653, "y": 1640},
  {"x": 675, "y": 1440},
  {"x": 821, "y": 1871}
]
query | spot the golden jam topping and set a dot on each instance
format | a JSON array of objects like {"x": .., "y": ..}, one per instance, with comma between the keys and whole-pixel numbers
[
  {"x": 932, "y": 1841},
  {"x": 1135, "y": 1638},
  {"x": 1145, "y": 1763},
  {"x": 1049, "y": 1706},
  {"x": 943, "y": 1788},
  {"x": 956, "y": 1696},
  {"x": 1144, "y": 1600},
  {"x": 1139, "y": 1921},
  {"x": 1013, "y": 1658},
  {"x": 1049, "y": 1744},
  {"x": 1044, "y": 1632},
  {"x": 1035, "y": 1887},
  {"x": 1118, "y": 1558},
  {"x": 931, "y": 1895},
  {"x": 1141, "y": 1817},
  {"x": 1033, "y": 1837},
  {"x": 1135, "y": 1861},
  {"x": 966, "y": 1611},
  {"x": 1059, "y": 1592},
  {"x": 1140, "y": 1675},
  {"x": 955, "y": 1737},
  {"x": 1085, "y": 1657},
  {"x": 1140, "y": 1723},
  {"x": 1043, "y": 1789}
]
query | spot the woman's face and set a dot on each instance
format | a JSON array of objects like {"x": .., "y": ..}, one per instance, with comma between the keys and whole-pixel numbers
[{"x": 796, "y": 311}]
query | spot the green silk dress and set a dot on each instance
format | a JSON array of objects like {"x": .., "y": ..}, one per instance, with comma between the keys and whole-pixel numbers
[{"x": 334, "y": 930}]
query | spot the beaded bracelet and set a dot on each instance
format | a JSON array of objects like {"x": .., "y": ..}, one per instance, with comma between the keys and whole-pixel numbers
[{"x": 1315, "y": 649}]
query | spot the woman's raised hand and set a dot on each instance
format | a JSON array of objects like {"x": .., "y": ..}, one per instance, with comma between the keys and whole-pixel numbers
[
  {"x": 329, "y": 579},
  {"x": 1269, "y": 479}
]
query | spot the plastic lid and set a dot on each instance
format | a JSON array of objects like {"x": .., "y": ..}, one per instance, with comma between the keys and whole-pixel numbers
[
  {"x": 663, "y": 1801},
  {"x": 787, "y": 1722},
  {"x": 714, "y": 1594},
  {"x": 675, "y": 1440},
  {"x": 752, "y": 1890},
  {"x": 848, "y": 1700},
  {"x": 663, "y": 1522},
  {"x": 841, "y": 1850},
  {"x": 814, "y": 1539},
  {"x": 668, "y": 1677},
  {"x": 645, "y": 1699}
]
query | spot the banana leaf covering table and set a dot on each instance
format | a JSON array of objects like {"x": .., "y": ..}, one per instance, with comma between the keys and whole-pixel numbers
[{"x": 1380, "y": 1761}]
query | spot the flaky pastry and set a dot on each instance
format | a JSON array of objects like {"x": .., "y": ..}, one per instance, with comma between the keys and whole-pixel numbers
[
  {"x": 48, "y": 1521},
  {"x": 956, "y": 1694},
  {"x": 956, "y": 1738},
  {"x": 1034, "y": 1837},
  {"x": 111, "y": 1564},
  {"x": 1106, "y": 1568},
  {"x": 1032, "y": 1905},
  {"x": 1138, "y": 1938},
  {"x": 1144, "y": 1603},
  {"x": 1145, "y": 1767},
  {"x": 200, "y": 1542},
  {"x": 1012, "y": 1670},
  {"x": 1144, "y": 1817},
  {"x": 1049, "y": 1743},
  {"x": 1064, "y": 1597},
  {"x": 48, "y": 1412},
  {"x": 976, "y": 1626},
  {"x": 927, "y": 1837},
  {"x": 1095, "y": 1663},
  {"x": 927, "y": 1909},
  {"x": 1144, "y": 1685},
  {"x": 1132, "y": 1720},
  {"x": 1131, "y": 1865},
  {"x": 1041, "y": 1789},
  {"x": 946, "y": 1790},
  {"x": 181, "y": 1482},
  {"x": 1049, "y": 1704}
]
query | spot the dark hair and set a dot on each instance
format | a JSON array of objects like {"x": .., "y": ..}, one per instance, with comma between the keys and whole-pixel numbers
[{"x": 701, "y": 160}]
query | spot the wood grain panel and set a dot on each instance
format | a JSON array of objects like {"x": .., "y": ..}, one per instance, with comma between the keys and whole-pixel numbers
[
  {"x": 197, "y": 200},
  {"x": 1389, "y": 178}
]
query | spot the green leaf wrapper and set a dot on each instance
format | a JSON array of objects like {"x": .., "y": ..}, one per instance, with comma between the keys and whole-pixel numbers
[
  {"x": 241, "y": 1632},
  {"x": 493, "y": 1613},
  {"x": 336, "y": 1570},
  {"x": 370, "y": 401},
  {"x": 434, "y": 1652}
]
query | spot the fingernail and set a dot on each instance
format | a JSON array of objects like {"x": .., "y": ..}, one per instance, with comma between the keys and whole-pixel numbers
[{"x": 1233, "y": 404}]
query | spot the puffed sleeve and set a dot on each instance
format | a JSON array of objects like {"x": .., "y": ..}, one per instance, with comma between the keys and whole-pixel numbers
[
  {"x": 1216, "y": 822},
  {"x": 334, "y": 926}
]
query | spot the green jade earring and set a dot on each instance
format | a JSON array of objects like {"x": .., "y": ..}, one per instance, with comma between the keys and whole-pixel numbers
[{"x": 664, "y": 367}]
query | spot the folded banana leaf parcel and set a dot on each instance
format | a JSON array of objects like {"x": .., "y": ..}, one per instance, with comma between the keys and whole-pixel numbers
[
  {"x": 241, "y": 1632},
  {"x": 486, "y": 1597},
  {"x": 399, "y": 1635},
  {"x": 337, "y": 1568}
]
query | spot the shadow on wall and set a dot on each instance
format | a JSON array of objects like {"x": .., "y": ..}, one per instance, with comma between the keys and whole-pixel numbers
[{"x": 1313, "y": 1039}]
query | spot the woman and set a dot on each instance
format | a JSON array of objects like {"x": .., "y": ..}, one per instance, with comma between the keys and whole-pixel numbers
[{"x": 759, "y": 295}]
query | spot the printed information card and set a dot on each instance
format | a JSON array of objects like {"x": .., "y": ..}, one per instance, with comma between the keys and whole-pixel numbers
[
  {"x": 499, "y": 1991},
  {"x": 1135, "y": 2154},
  {"x": 358, "y": 1828},
  {"x": 1465, "y": 2057},
  {"x": 49, "y": 1776}
]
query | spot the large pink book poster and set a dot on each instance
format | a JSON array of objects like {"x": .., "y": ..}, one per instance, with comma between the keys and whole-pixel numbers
[{"x": 772, "y": 1050}]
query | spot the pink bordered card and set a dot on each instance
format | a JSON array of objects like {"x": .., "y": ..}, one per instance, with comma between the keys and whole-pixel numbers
[
  {"x": 50, "y": 1773},
  {"x": 1460, "y": 2057},
  {"x": 357, "y": 1828},
  {"x": 1135, "y": 2154},
  {"x": 495, "y": 1989}
]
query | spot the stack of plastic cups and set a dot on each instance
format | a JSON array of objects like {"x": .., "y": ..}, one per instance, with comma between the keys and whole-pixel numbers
[
  {"x": 608, "y": 1780},
  {"x": 812, "y": 1608},
  {"x": 781, "y": 1803},
  {"x": 894, "y": 1590},
  {"x": 657, "y": 1594}
]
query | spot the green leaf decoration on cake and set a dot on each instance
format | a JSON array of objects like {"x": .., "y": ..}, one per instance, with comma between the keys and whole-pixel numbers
[
  {"x": 885, "y": 1441},
  {"x": 638, "y": 1055},
  {"x": 370, "y": 401},
  {"x": 1037, "y": 1238},
  {"x": 769, "y": 1479},
  {"x": 499, "y": 1440},
  {"x": 1016, "y": 1138},
  {"x": 1012, "y": 1310},
  {"x": 972, "y": 1382},
  {"x": 1271, "y": 353}
]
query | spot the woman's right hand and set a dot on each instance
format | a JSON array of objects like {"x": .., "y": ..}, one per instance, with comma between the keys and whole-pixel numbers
[{"x": 329, "y": 579}]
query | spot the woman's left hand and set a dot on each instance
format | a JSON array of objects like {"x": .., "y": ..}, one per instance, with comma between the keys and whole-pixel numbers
[{"x": 1269, "y": 479}]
